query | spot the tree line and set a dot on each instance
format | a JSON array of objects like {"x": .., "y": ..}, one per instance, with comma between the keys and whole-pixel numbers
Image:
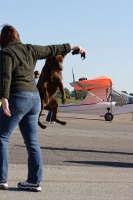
[{"x": 75, "y": 94}]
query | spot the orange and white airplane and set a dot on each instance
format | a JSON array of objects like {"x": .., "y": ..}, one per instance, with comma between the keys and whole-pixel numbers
[{"x": 101, "y": 99}]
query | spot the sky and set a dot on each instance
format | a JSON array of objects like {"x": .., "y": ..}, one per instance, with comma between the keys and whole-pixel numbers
[{"x": 104, "y": 28}]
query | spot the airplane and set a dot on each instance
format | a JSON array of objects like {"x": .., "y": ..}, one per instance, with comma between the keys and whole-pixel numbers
[{"x": 102, "y": 99}]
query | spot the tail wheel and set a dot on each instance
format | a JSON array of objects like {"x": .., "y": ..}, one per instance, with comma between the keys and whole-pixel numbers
[{"x": 108, "y": 117}]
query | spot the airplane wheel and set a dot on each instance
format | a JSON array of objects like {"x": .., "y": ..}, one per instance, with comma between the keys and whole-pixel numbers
[{"x": 108, "y": 117}]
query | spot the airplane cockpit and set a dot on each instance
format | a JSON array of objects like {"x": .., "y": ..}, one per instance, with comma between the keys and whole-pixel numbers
[{"x": 121, "y": 97}]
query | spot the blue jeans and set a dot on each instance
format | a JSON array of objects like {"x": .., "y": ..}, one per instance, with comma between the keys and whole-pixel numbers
[
  {"x": 25, "y": 108},
  {"x": 49, "y": 116}
]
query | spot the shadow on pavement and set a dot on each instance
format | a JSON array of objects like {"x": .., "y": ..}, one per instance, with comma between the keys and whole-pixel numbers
[
  {"x": 102, "y": 163},
  {"x": 85, "y": 150}
]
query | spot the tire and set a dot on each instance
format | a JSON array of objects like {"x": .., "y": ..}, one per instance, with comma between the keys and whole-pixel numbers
[{"x": 108, "y": 117}]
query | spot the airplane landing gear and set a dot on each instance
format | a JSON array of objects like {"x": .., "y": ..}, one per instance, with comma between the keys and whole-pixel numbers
[{"x": 108, "y": 117}]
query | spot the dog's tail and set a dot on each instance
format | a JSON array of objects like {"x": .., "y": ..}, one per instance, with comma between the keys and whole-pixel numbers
[{"x": 41, "y": 125}]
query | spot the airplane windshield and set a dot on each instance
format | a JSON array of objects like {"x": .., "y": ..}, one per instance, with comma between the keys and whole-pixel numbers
[{"x": 121, "y": 97}]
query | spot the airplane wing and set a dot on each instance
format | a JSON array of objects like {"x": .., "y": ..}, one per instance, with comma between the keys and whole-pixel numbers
[{"x": 100, "y": 82}]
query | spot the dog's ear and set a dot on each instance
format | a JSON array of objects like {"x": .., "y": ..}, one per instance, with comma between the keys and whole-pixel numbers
[
  {"x": 61, "y": 56},
  {"x": 64, "y": 55}
]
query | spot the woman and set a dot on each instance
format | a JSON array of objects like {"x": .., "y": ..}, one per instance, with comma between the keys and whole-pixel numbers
[{"x": 21, "y": 101}]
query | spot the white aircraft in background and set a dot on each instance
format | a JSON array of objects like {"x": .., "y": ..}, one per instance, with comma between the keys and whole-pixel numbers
[{"x": 101, "y": 99}]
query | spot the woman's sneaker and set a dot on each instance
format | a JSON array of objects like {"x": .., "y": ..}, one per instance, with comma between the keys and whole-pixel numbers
[
  {"x": 4, "y": 186},
  {"x": 30, "y": 186}
]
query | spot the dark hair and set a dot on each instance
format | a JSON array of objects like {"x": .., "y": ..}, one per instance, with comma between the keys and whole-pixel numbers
[
  {"x": 36, "y": 73},
  {"x": 8, "y": 34}
]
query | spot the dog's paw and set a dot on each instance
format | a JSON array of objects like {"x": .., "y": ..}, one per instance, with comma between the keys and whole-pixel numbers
[
  {"x": 46, "y": 100},
  {"x": 60, "y": 122},
  {"x": 63, "y": 101},
  {"x": 63, "y": 123}
]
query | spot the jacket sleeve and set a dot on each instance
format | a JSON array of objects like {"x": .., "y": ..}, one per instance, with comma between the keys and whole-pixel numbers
[
  {"x": 44, "y": 52},
  {"x": 5, "y": 75}
]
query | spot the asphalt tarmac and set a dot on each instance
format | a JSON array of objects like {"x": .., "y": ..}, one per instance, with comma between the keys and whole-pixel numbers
[{"x": 87, "y": 159}]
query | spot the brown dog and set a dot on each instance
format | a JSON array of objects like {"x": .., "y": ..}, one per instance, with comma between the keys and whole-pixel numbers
[{"x": 49, "y": 82}]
